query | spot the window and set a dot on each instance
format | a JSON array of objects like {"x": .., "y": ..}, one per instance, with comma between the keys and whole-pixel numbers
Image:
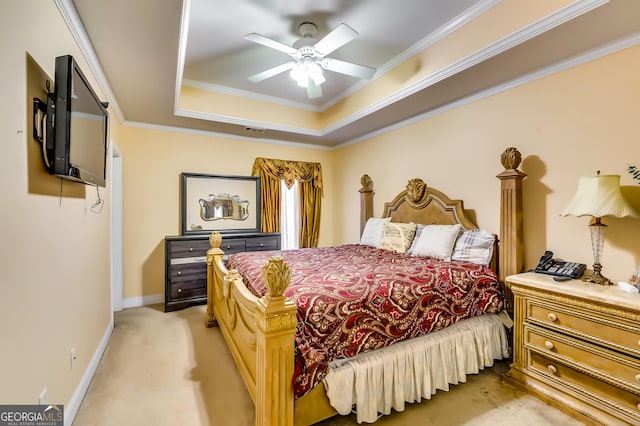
[{"x": 290, "y": 215}]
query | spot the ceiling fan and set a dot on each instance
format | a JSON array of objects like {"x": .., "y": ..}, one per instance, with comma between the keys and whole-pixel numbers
[{"x": 310, "y": 57}]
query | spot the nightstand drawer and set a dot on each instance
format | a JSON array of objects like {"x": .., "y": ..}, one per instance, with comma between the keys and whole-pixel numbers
[
  {"x": 598, "y": 361},
  {"x": 624, "y": 402},
  {"x": 577, "y": 345},
  {"x": 586, "y": 324},
  {"x": 263, "y": 243}
]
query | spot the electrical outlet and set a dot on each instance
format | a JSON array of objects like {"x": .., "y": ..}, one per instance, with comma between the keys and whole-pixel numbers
[
  {"x": 74, "y": 356},
  {"x": 42, "y": 399}
]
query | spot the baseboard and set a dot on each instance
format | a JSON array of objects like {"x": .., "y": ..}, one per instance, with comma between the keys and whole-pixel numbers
[
  {"x": 71, "y": 409},
  {"x": 133, "y": 302}
]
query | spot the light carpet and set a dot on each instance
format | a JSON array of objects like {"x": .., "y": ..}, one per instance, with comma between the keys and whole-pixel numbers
[{"x": 169, "y": 369}]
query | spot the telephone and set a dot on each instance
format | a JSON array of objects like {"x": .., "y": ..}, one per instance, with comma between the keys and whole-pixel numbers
[{"x": 549, "y": 265}]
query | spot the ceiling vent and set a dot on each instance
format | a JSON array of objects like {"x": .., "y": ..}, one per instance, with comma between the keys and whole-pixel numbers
[{"x": 254, "y": 130}]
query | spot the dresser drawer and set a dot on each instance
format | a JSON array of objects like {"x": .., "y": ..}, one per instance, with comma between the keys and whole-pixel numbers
[
  {"x": 613, "y": 333},
  {"x": 189, "y": 248},
  {"x": 231, "y": 246},
  {"x": 188, "y": 289},
  {"x": 626, "y": 404},
  {"x": 187, "y": 271},
  {"x": 262, "y": 243},
  {"x": 186, "y": 266},
  {"x": 608, "y": 365}
]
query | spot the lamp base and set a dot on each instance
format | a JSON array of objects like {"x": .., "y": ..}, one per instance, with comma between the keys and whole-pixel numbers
[{"x": 596, "y": 276}]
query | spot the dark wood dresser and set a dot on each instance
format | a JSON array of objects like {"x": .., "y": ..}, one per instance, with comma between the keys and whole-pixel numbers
[{"x": 186, "y": 264}]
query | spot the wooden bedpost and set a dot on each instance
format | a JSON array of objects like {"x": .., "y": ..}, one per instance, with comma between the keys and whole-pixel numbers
[
  {"x": 213, "y": 254},
  {"x": 366, "y": 200},
  {"x": 276, "y": 321},
  {"x": 511, "y": 255}
]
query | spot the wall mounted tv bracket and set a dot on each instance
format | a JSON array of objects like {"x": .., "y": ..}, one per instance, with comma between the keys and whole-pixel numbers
[{"x": 41, "y": 110}]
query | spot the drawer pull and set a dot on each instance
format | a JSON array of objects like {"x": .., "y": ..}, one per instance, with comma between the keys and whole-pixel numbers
[
  {"x": 638, "y": 377},
  {"x": 179, "y": 290},
  {"x": 228, "y": 247},
  {"x": 548, "y": 344},
  {"x": 190, "y": 248},
  {"x": 261, "y": 245},
  {"x": 552, "y": 316},
  {"x": 552, "y": 369},
  {"x": 179, "y": 272}
]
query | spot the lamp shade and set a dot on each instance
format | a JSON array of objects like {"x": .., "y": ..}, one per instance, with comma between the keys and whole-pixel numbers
[{"x": 599, "y": 196}]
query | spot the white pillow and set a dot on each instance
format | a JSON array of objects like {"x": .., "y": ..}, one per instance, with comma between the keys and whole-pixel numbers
[
  {"x": 397, "y": 236},
  {"x": 373, "y": 231},
  {"x": 436, "y": 241},
  {"x": 416, "y": 237},
  {"x": 475, "y": 246}
]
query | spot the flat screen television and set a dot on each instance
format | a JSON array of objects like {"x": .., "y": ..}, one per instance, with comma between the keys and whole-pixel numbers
[{"x": 77, "y": 127}]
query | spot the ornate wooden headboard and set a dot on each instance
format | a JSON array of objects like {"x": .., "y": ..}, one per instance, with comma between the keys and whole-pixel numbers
[{"x": 421, "y": 204}]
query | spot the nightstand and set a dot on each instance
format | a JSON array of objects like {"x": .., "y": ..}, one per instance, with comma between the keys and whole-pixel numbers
[{"x": 576, "y": 345}]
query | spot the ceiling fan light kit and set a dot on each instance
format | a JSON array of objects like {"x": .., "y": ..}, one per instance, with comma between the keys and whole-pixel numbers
[
  {"x": 309, "y": 57},
  {"x": 307, "y": 70}
]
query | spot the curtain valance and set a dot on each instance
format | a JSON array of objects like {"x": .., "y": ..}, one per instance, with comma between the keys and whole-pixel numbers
[
  {"x": 289, "y": 171},
  {"x": 309, "y": 176}
]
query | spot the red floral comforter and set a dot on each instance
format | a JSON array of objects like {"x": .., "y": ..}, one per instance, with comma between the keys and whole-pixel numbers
[{"x": 354, "y": 298}]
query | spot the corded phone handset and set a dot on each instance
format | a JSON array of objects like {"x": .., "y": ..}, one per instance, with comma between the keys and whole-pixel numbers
[{"x": 550, "y": 266}]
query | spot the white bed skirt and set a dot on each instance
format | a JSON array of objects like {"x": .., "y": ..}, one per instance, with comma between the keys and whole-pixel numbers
[{"x": 409, "y": 371}]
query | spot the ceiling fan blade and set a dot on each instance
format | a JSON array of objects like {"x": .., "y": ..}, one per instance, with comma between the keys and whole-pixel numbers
[
  {"x": 313, "y": 91},
  {"x": 271, "y": 72},
  {"x": 266, "y": 41},
  {"x": 348, "y": 68},
  {"x": 337, "y": 38}
]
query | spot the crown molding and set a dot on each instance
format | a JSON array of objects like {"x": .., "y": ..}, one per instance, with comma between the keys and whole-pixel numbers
[
  {"x": 248, "y": 123},
  {"x": 224, "y": 135},
  {"x": 559, "y": 17},
  {"x": 74, "y": 23},
  {"x": 575, "y": 9},
  {"x": 249, "y": 95},
  {"x": 182, "y": 48},
  {"x": 597, "y": 53},
  {"x": 468, "y": 15}
]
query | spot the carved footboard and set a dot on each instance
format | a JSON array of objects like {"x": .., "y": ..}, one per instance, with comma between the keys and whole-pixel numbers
[{"x": 258, "y": 331}]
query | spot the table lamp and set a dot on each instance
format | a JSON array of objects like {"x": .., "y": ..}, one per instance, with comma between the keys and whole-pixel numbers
[{"x": 599, "y": 196}]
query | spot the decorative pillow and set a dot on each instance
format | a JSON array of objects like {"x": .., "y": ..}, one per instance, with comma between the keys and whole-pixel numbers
[
  {"x": 475, "y": 246},
  {"x": 373, "y": 230},
  {"x": 436, "y": 241},
  {"x": 416, "y": 237},
  {"x": 397, "y": 236}
]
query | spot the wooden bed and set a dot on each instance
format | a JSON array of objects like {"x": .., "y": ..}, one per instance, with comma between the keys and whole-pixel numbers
[{"x": 260, "y": 331}]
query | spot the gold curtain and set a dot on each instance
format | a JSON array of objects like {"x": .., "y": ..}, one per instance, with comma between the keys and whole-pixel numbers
[{"x": 309, "y": 177}]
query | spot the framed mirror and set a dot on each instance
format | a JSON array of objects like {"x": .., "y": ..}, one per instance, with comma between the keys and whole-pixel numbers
[{"x": 219, "y": 203}]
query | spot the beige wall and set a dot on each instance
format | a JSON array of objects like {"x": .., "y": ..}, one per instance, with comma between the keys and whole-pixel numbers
[
  {"x": 566, "y": 125},
  {"x": 55, "y": 253},
  {"x": 55, "y": 259},
  {"x": 153, "y": 161}
]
